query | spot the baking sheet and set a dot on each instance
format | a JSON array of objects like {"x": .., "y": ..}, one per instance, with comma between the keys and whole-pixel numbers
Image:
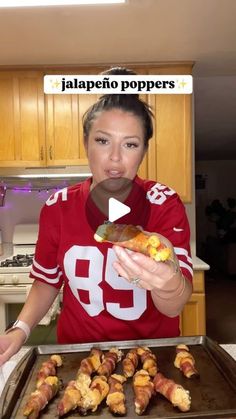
[{"x": 213, "y": 394}]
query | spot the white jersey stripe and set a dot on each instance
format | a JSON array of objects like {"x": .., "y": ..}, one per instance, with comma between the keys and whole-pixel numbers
[
  {"x": 184, "y": 265},
  {"x": 183, "y": 252},
  {"x": 41, "y": 276},
  {"x": 46, "y": 271}
]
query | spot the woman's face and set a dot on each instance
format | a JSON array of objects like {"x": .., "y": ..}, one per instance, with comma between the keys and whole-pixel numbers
[{"x": 115, "y": 146}]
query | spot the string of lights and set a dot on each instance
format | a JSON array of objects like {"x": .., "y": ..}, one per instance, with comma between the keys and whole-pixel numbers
[{"x": 28, "y": 188}]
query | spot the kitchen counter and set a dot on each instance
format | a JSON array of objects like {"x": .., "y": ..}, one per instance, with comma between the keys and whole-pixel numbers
[
  {"x": 8, "y": 367},
  {"x": 199, "y": 265}
]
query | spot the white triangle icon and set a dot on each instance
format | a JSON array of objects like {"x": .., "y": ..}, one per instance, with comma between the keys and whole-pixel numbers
[{"x": 116, "y": 209}]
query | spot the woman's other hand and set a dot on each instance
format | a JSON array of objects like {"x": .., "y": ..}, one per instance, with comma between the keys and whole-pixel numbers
[{"x": 10, "y": 344}]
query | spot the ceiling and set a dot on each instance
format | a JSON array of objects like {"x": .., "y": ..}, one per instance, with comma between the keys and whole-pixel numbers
[{"x": 202, "y": 31}]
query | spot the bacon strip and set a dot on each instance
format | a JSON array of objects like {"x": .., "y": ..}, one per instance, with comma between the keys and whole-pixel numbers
[
  {"x": 111, "y": 358},
  {"x": 132, "y": 238},
  {"x": 185, "y": 361},
  {"x": 116, "y": 397},
  {"x": 130, "y": 363},
  {"x": 143, "y": 390},
  {"x": 148, "y": 359},
  {"x": 174, "y": 392}
]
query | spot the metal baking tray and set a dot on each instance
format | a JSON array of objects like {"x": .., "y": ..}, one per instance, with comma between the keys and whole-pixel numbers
[{"x": 213, "y": 393}]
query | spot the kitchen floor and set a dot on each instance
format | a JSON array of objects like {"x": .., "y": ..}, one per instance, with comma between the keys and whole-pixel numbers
[{"x": 221, "y": 307}]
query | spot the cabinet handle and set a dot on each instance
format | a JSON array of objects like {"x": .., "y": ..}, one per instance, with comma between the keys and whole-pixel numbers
[
  {"x": 50, "y": 152},
  {"x": 41, "y": 153}
]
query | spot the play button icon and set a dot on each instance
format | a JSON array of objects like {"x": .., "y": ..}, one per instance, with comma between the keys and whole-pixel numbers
[
  {"x": 116, "y": 209},
  {"x": 119, "y": 199}
]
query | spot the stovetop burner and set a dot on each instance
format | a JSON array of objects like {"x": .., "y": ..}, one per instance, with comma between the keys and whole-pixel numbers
[{"x": 18, "y": 260}]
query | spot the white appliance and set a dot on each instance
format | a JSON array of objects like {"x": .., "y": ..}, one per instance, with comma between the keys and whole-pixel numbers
[{"x": 14, "y": 270}]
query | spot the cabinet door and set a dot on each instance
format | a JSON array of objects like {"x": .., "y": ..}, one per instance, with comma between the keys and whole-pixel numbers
[
  {"x": 193, "y": 317},
  {"x": 22, "y": 128},
  {"x": 64, "y": 127},
  {"x": 169, "y": 158}
]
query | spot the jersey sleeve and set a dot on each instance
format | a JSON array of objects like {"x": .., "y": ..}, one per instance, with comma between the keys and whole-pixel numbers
[
  {"x": 175, "y": 227},
  {"x": 45, "y": 267}
]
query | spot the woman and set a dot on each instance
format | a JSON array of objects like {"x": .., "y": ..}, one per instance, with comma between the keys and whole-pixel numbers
[{"x": 109, "y": 293}]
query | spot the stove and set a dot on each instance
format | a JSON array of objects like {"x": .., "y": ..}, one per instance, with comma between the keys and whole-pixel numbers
[
  {"x": 14, "y": 270},
  {"x": 17, "y": 261}
]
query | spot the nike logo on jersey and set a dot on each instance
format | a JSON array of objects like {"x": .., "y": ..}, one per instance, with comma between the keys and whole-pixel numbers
[{"x": 178, "y": 230}]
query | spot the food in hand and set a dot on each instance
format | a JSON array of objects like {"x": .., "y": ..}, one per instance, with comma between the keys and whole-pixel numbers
[
  {"x": 133, "y": 238},
  {"x": 143, "y": 390},
  {"x": 48, "y": 368},
  {"x": 175, "y": 393},
  {"x": 110, "y": 359},
  {"x": 116, "y": 397},
  {"x": 70, "y": 399},
  {"x": 185, "y": 361},
  {"x": 148, "y": 359},
  {"x": 130, "y": 363},
  {"x": 39, "y": 399},
  {"x": 95, "y": 394}
]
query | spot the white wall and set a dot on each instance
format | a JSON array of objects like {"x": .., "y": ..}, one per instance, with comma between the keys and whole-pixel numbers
[{"x": 20, "y": 207}]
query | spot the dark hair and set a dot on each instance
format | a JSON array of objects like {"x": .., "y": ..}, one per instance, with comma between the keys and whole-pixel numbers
[{"x": 125, "y": 102}]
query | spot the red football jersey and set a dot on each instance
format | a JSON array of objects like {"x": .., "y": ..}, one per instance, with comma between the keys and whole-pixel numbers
[{"x": 98, "y": 305}]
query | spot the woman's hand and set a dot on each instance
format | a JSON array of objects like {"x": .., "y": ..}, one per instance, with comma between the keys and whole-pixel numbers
[
  {"x": 151, "y": 274},
  {"x": 10, "y": 344},
  {"x": 169, "y": 288}
]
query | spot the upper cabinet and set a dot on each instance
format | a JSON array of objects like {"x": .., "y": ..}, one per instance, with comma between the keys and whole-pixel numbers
[
  {"x": 169, "y": 159},
  {"x": 22, "y": 123},
  {"x": 64, "y": 126},
  {"x": 62, "y": 130},
  {"x": 46, "y": 130}
]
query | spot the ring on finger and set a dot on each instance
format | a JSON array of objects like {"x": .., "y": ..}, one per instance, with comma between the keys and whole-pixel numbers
[{"x": 135, "y": 281}]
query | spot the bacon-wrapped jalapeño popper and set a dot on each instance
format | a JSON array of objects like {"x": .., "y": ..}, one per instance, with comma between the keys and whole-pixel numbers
[
  {"x": 130, "y": 363},
  {"x": 185, "y": 361},
  {"x": 173, "y": 392},
  {"x": 39, "y": 399},
  {"x": 133, "y": 238},
  {"x": 148, "y": 359},
  {"x": 77, "y": 389},
  {"x": 143, "y": 390},
  {"x": 48, "y": 368},
  {"x": 111, "y": 358},
  {"x": 116, "y": 397},
  {"x": 95, "y": 394}
]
